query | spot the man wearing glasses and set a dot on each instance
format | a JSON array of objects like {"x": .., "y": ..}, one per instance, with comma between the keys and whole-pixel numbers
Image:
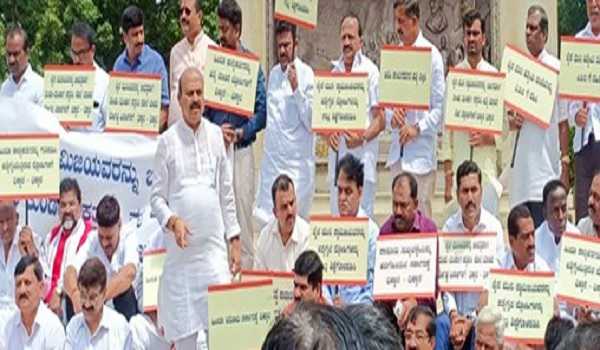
[{"x": 420, "y": 329}]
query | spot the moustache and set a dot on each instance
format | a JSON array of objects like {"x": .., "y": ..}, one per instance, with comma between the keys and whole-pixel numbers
[
  {"x": 470, "y": 205},
  {"x": 195, "y": 105},
  {"x": 22, "y": 296},
  {"x": 87, "y": 308}
]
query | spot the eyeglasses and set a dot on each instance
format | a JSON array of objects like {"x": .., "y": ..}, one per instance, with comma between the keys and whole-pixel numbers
[
  {"x": 420, "y": 336},
  {"x": 185, "y": 11},
  {"x": 80, "y": 52}
]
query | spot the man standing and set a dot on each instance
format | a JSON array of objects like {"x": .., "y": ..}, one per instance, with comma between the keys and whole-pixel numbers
[
  {"x": 308, "y": 280},
  {"x": 34, "y": 326},
  {"x": 590, "y": 225},
  {"x": 364, "y": 146},
  {"x": 192, "y": 198},
  {"x": 188, "y": 52},
  {"x": 538, "y": 151},
  {"x": 285, "y": 237},
  {"x": 414, "y": 133},
  {"x": 141, "y": 58},
  {"x": 22, "y": 81},
  {"x": 289, "y": 142},
  {"x": 240, "y": 132}
]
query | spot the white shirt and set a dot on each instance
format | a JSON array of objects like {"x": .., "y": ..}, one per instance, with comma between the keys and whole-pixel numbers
[
  {"x": 466, "y": 302},
  {"x": 272, "y": 255},
  {"x": 507, "y": 262},
  {"x": 113, "y": 333},
  {"x": 420, "y": 155},
  {"x": 29, "y": 88},
  {"x": 546, "y": 246},
  {"x": 586, "y": 227},
  {"x": 593, "y": 123},
  {"x": 538, "y": 152},
  {"x": 70, "y": 250},
  {"x": 145, "y": 336},
  {"x": 99, "y": 112},
  {"x": 193, "y": 180},
  {"x": 289, "y": 144},
  {"x": 47, "y": 332}
]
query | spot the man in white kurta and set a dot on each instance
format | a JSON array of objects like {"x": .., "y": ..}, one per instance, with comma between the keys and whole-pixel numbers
[
  {"x": 192, "y": 198},
  {"x": 289, "y": 145}
]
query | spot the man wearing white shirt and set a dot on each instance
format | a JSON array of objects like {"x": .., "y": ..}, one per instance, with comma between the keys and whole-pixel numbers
[
  {"x": 537, "y": 157},
  {"x": 364, "y": 146},
  {"x": 97, "y": 327},
  {"x": 590, "y": 225},
  {"x": 192, "y": 198},
  {"x": 22, "y": 81},
  {"x": 146, "y": 334},
  {"x": 289, "y": 145},
  {"x": 548, "y": 235},
  {"x": 461, "y": 307},
  {"x": 190, "y": 51},
  {"x": 117, "y": 250},
  {"x": 286, "y": 235},
  {"x": 414, "y": 133},
  {"x": 34, "y": 327}
]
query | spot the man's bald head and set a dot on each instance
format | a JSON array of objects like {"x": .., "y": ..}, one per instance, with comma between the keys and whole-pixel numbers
[
  {"x": 8, "y": 221},
  {"x": 191, "y": 96}
]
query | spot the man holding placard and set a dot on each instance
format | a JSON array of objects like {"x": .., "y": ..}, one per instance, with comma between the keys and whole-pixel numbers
[
  {"x": 289, "y": 140},
  {"x": 364, "y": 146},
  {"x": 590, "y": 225}
]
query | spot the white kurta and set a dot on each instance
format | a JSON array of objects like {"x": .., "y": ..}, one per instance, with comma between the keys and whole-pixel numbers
[
  {"x": 289, "y": 146},
  {"x": 29, "y": 88},
  {"x": 546, "y": 246},
  {"x": 193, "y": 180}
]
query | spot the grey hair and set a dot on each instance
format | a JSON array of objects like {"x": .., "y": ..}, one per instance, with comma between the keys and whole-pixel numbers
[
  {"x": 489, "y": 315},
  {"x": 543, "y": 17}
]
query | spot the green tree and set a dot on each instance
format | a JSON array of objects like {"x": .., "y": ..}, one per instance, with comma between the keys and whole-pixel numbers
[{"x": 572, "y": 16}]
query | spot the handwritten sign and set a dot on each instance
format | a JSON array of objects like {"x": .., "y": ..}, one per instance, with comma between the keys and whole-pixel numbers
[
  {"x": 530, "y": 86},
  {"x": 342, "y": 244},
  {"x": 340, "y": 102},
  {"x": 230, "y": 79},
  {"x": 134, "y": 102},
  {"x": 69, "y": 93},
  {"x": 300, "y": 12},
  {"x": 465, "y": 261},
  {"x": 580, "y": 69},
  {"x": 526, "y": 302},
  {"x": 405, "y": 266},
  {"x": 579, "y": 270},
  {"x": 474, "y": 101},
  {"x": 240, "y": 314},
  {"x": 29, "y": 166},
  {"x": 283, "y": 286},
  {"x": 152, "y": 269},
  {"x": 406, "y": 70}
]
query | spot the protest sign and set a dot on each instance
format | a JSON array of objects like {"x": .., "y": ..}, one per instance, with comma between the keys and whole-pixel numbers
[
  {"x": 69, "y": 93},
  {"x": 579, "y": 77},
  {"x": 154, "y": 261},
  {"x": 303, "y": 13},
  {"x": 579, "y": 270},
  {"x": 283, "y": 286}
]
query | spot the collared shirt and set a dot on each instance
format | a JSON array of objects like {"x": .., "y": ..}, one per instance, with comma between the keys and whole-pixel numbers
[
  {"x": 465, "y": 303},
  {"x": 421, "y": 223},
  {"x": 546, "y": 246},
  {"x": 252, "y": 125},
  {"x": 586, "y": 227},
  {"x": 289, "y": 143},
  {"x": 47, "y": 332},
  {"x": 99, "y": 112},
  {"x": 272, "y": 255},
  {"x": 185, "y": 55},
  {"x": 113, "y": 333},
  {"x": 419, "y": 155},
  {"x": 30, "y": 87},
  {"x": 149, "y": 62},
  {"x": 538, "y": 152},
  {"x": 145, "y": 335},
  {"x": 593, "y": 122},
  {"x": 507, "y": 262}
]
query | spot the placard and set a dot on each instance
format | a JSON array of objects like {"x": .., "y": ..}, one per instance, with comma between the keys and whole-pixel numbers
[
  {"x": 405, "y": 79},
  {"x": 240, "y": 315},
  {"x": 29, "y": 166},
  {"x": 474, "y": 101},
  {"x": 526, "y": 302},
  {"x": 340, "y": 102},
  {"x": 530, "y": 86},
  {"x": 579, "y": 69},
  {"x": 152, "y": 268},
  {"x": 134, "y": 102},
  {"x": 283, "y": 286},
  {"x": 69, "y": 93},
  {"x": 342, "y": 244},
  {"x": 303, "y": 13},
  {"x": 405, "y": 266},
  {"x": 230, "y": 79},
  {"x": 579, "y": 270},
  {"x": 465, "y": 261}
]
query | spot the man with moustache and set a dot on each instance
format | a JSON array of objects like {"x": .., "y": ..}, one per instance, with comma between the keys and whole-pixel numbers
[
  {"x": 34, "y": 326},
  {"x": 141, "y": 58},
  {"x": 239, "y": 132},
  {"x": 285, "y": 237},
  {"x": 190, "y": 51},
  {"x": 308, "y": 281},
  {"x": 420, "y": 329},
  {"x": 192, "y": 199},
  {"x": 289, "y": 141},
  {"x": 590, "y": 225},
  {"x": 64, "y": 241},
  {"x": 97, "y": 326}
]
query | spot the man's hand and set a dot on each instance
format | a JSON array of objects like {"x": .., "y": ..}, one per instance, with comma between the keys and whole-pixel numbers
[
  {"x": 399, "y": 118},
  {"x": 235, "y": 253},
  {"x": 26, "y": 243},
  {"x": 408, "y": 133},
  {"x": 334, "y": 141},
  {"x": 292, "y": 76},
  {"x": 582, "y": 116},
  {"x": 460, "y": 327},
  {"x": 478, "y": 139},
  {"x": 180, "y": 231},
  {"x": 515, "y": 120},
  {"x": 407, "y": 306},
  {"x": 228, "y": 134},
  {"x": 353, "y": 139},
  {"x": 54, "y": 304}
]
